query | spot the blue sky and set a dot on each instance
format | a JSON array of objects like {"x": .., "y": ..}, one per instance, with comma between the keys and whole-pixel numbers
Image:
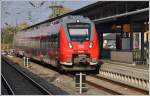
[{"x": 18, "y": 11}]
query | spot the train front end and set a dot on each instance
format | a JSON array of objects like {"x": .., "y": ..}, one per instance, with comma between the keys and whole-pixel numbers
[{"x": 79, "y": 47}]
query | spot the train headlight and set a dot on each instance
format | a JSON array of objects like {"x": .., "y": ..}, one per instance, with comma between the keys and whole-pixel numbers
[
  {"x": 91, "y": 45},
  {"x": 70, "y": 45},
  {"x": 78, "y": 20}
]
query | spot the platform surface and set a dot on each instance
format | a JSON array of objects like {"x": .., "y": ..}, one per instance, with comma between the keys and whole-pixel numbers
[{"x": 137, "y": 66}]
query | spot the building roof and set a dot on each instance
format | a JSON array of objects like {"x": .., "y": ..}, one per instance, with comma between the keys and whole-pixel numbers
[{"x": 98, "y": 4}]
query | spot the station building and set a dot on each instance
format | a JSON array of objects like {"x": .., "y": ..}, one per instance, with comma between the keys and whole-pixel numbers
[{"x": 123, "y": 28}]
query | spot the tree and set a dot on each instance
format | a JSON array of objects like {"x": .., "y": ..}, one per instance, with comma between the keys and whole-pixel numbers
[
  {"x": 9, "y": 31},
  {"x": 7, "y": 36},
  {"x": 22, "y": 25},
  {"x": 58, "y": 10}
]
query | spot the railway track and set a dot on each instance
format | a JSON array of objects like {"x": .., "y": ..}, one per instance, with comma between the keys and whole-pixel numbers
[
  {"x": 122, "y": 89},
  {"x": 98, "y": 86},
  {"x": 106, "y": 90},
  {"x": 112, "y": 87},
  {"x": 6, "y": 89},
  {"x": 107, "y": 85},
  {"x": 116, "y": 88},
  {"x": 19, "y": 83},
  {"x": 103, "y": 88}
]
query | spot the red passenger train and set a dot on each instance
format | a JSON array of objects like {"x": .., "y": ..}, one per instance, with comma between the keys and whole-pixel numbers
[{"x": 69, "y": 43}]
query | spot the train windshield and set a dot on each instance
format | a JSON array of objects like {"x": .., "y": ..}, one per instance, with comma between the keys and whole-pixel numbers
[{"x": 80, "y": 33}]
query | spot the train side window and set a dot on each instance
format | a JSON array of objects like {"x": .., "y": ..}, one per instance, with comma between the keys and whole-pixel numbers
[
  {"x": 56, "y": 40},
  {"x": 46, "y": 43},
  {"x": 51, "y": 40},
  {"x": 41, "y": 44}
]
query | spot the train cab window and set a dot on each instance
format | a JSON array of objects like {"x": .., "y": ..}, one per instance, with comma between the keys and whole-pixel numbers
[
  {"x": 79, "y": 34},
  {"x": 79, "y": 31}
]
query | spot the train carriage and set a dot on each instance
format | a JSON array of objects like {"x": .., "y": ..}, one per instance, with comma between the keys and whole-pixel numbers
[{"x": 69, "y": 43}]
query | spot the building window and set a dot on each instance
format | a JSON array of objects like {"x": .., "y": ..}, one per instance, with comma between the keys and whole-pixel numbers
[{"x": 109, "y": 40}]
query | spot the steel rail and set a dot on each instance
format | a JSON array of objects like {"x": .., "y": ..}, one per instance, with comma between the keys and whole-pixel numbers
[
  {"x": 34, "y": 82},
  {"x": 7, "y": 85},
  {"x": 103, "y": 88},
  {"x": 122, "y": 84}
]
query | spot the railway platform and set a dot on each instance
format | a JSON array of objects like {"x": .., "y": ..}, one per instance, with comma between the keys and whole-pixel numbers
[
  {"x": 132, "y": 65},
  {"x": 132, "y": 75}
]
